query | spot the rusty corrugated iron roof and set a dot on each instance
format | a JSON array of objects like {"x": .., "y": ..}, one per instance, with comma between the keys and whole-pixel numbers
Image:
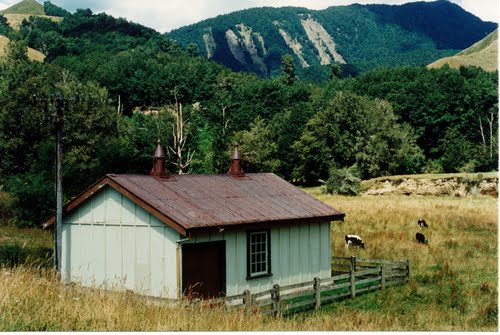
[{"x": 193, "y": 202}]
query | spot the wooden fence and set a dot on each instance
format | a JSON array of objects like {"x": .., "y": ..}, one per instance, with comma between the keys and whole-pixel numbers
[{"x": 350, "y": 276}]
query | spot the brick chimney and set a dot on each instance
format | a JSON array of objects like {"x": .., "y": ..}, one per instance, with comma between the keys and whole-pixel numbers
[
  {"x": 235, "y": 168},
  {"x": 159, "y": 169}
]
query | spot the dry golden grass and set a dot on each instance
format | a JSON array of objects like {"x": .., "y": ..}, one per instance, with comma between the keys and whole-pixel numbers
[
  {"x": 453, "y": 285},
  {"x": 15, "y": 20},
  {"x": 32, "y": 53}
]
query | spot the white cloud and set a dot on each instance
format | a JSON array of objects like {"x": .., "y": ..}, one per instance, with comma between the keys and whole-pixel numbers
[
  {"x": 165, "y": 15},
  {"x": 488, "y": 10}
]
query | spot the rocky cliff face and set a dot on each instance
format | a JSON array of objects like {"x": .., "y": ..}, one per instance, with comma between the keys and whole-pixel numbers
[
  {"x": 446, "y": 186},
  {"x": 243, "y": 41},
  {"x": 322, "y": 41}
]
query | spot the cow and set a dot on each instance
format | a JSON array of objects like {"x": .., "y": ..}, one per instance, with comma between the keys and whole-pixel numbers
[
  {"x": 422, "y": 223},
  {"x": 421, "y": 238},
  {"x": 355, "y": 240}
]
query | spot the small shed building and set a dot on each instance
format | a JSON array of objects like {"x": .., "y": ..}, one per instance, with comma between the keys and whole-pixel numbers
[{"x": 204, "y": 235}]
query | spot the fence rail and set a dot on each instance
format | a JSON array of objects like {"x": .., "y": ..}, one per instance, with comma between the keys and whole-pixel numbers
[{"x": 350, "y": 276}]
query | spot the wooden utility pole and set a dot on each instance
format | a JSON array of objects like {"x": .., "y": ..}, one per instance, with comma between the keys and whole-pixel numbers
[{"x": 58, "y": 125}]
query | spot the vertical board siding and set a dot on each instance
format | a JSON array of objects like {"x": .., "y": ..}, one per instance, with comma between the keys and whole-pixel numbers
[
  {"x": 305, "y": 248},
  {"x": 294, "y": 257},
  {"x": 315, "y": 247},
  {"x": 284, "y": 258},
  {"x": 113, "y": 206},
  {"x": 142, "y": 260},
  {"x": 111, "y": 242},
  {"x": 231, "y": 258},
  {"x": 128, "y": 254},
  {"x": 326, "y": 254},
  {"x": 113, "y": 255},
  {"x": 298, "y": 254},
  {"x": 157, "y": 261},
  {"x": 241, "y": 263},
  {"x": 99, "y": 207}
]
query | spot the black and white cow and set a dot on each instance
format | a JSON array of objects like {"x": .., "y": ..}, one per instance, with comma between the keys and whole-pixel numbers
[
  {"x": 355, "y": 240},
  {"x": 421, "y": 238},
  {"x": 422, "y": 223}
]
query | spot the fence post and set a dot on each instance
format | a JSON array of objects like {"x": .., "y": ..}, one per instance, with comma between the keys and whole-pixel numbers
[
  {"x": 317, "y": 293},
  {"x": 382, "y": 278},
  {"x": 275, "y": 295},
  {"x": 247, "y": 299},
  {"x": 353, "y": 262},
  {"x": 352, "y": 280},
  {"x": 408, "y": 269}
]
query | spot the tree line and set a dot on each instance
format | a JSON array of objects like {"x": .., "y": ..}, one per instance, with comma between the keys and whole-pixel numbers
[{"x": 125, "y": 97}]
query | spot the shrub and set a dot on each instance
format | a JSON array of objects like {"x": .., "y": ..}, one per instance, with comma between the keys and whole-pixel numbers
[
  {"x": 343, "y": 181},
  {"x": 14, "y": 255},
  {"x": 5, "y": 209},
  {"x": 32, "y": 198}
]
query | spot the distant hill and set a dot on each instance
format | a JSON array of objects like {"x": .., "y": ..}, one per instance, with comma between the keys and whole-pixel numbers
[
  {"x": 25, "y": 7},
  {"x": 359, "y": 37},
  {"x": 15, "y": 14},
  {"x": 483, "y": 54}
]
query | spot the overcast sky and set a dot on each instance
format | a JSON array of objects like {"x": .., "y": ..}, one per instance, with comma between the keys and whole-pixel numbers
[{"x": 165, "y": 15}]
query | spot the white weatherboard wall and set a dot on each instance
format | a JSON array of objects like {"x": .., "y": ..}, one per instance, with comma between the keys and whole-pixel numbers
[
  {"x": 298, "y": 254},
  {"x": 110, "y": 241}
]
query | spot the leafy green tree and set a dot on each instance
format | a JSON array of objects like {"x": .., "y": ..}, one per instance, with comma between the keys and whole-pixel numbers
[
  {"x": 434, "y": 101},
  {"x": 287, "y": 127},
  {"x": 335, "y": 72},
  {"x": 288, "y": 69},
  {"x": 17, "y": 51},
  {"x": 258, "y": 148},
  {"x": 53, "y": 10},
  {"x": 5, "y": 28},
  {"x": 457, "y": 152},
  {"x": 350, "y": 130}
]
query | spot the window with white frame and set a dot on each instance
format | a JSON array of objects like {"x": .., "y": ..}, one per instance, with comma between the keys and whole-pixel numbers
[{"x": 259, "y": 254}]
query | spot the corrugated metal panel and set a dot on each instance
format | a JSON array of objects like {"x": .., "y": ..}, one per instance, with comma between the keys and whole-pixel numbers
[
  {"x": 200, "y": 201},
  {"x": 190, "y": 202}
]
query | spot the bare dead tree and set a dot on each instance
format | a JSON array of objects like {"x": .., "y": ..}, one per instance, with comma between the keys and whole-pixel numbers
[
  {"x": 491, "y": 119},
  {"x": 180, "y": 139}
]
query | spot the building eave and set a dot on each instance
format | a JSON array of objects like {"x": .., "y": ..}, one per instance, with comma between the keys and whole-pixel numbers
[
  {"x": 108, "y": 181},
  {"x": 264, "y": 224}
]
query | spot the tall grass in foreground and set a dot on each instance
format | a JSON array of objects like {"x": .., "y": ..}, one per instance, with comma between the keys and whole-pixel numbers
[{"x": 453, "y": 285}]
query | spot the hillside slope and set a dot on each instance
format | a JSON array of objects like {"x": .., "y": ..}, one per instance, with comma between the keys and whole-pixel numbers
[
  {"x": 483, "y": 54},
  {"x": 366, "y": 36},
  {"x": 15, "y": 14},
  {"x": 32, "y": 53}
]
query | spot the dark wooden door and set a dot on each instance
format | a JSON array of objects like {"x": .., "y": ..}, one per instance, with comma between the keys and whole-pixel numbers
[{"x": 204, "y": 270}]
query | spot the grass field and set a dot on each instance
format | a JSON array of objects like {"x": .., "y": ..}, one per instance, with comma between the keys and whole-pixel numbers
[{"x": 453, "y": 285}]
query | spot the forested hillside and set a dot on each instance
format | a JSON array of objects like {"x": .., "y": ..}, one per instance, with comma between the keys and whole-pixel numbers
[
  {"x": 358, "y": 37},
  {"x": 126, "y": 85}
]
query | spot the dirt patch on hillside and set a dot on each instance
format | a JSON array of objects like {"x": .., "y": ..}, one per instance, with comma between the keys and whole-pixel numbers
[{"x": 453, "y": 186}]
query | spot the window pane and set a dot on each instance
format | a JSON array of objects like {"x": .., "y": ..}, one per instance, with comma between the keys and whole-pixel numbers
[{"x": 258, "y": 256}]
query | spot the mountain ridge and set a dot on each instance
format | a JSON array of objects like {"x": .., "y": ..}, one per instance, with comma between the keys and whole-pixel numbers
[{"x": 365, "y": 36}]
